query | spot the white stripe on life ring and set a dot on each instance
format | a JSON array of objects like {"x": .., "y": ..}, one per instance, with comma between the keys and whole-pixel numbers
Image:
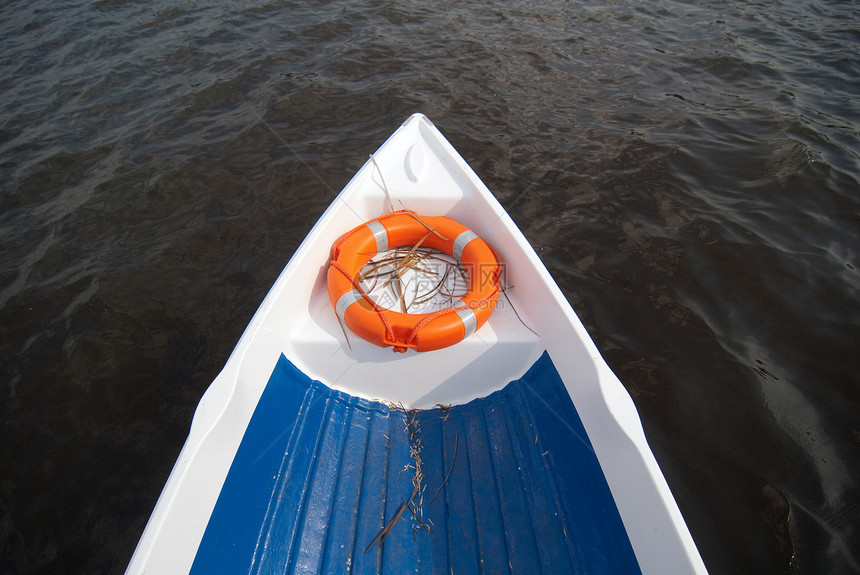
[
  {"x": 347, "y": 300},
  {"x": 470, "y": 321},
  {"x": 381, "y": 235},
  {"x": 461, "y": 242}
]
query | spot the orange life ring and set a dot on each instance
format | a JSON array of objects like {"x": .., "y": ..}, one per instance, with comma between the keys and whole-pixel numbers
[{"x": 423, "y": 332}]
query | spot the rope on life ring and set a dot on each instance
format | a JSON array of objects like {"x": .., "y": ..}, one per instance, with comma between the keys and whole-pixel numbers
[{"x": 423, "y": 332}]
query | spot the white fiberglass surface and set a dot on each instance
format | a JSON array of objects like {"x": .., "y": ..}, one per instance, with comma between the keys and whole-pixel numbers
[
  {"x": 502, "y": 350},
  {"x": 418, "y": 174}
]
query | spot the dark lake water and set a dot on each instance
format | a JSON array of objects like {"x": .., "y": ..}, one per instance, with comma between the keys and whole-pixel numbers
[{"x": 689, "y": 172}]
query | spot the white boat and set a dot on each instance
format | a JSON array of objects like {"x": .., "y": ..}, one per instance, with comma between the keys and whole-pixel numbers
[{"x": 514, "y": 450}]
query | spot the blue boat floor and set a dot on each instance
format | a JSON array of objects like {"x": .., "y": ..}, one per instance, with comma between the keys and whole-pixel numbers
[{"x": 324, "y": 482}]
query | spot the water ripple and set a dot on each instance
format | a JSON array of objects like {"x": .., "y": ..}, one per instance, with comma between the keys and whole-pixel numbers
[{"x": 687, "y": 170}]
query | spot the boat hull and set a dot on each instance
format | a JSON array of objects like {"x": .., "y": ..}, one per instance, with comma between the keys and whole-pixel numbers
[{"x": 418, "y": 169}]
